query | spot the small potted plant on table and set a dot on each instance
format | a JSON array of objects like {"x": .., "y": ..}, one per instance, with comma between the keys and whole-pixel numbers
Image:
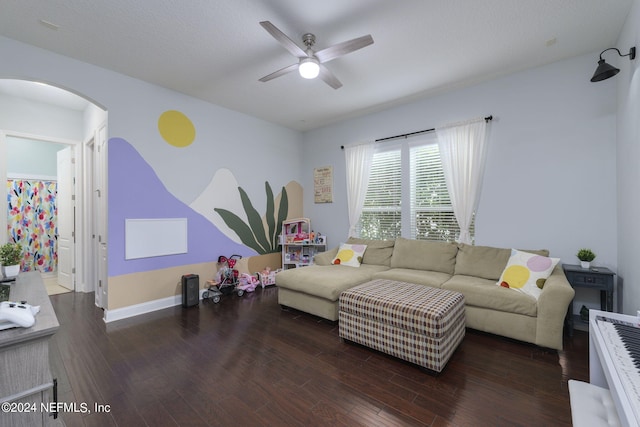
[
  {"x": 585, "y": 256},
  {"x": 10, "y": 257}
]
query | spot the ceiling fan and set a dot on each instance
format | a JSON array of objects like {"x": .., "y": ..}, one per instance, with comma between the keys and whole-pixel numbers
[{"x": 311, "y": 63}]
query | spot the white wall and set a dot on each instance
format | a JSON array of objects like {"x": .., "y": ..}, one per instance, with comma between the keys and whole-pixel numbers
[
  {"x": 628, "y": 142},
  {"x": 550, "y": 175},
  {"x": 30, "y": 158},
  {"x": 37, "y": 118}
]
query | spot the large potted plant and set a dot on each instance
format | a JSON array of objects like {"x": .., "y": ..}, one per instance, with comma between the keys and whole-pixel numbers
[
  {"x": 10, "y": 258},
  {"x": 585, "y": 256}
]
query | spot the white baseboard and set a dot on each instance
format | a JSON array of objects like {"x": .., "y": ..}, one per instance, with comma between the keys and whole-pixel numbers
[{"x": 146, "y": 307}]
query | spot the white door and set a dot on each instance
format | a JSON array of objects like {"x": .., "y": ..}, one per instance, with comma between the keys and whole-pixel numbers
[{"x": 66, "y": 218}]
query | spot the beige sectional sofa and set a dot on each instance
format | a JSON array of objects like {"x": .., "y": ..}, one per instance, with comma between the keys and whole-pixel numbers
[{"x": 470, "y": 270}]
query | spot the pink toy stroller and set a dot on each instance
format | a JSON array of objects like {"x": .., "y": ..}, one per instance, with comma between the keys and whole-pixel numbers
[{"x": 226, "y": 281}]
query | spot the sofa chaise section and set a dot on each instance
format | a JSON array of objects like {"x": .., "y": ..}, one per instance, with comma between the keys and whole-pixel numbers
[{"x": 316, "y": 289}]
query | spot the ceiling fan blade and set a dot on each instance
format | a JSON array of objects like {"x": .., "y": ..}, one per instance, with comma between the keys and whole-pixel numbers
[
  {"x": 326, "y": 55},
  {"x": 283, "y": 39},
  {"x": 329, "y": 78},
  {"x": 279, "y": 73}
]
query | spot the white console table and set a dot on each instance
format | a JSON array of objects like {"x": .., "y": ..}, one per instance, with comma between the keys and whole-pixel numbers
[{"x": 25, "y": 374}]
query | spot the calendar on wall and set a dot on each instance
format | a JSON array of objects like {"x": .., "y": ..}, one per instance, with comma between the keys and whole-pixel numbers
[{"x": 323, "y": 184}]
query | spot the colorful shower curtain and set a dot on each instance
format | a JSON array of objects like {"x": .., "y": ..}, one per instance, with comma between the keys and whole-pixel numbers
[{"x": 32, "y": 222}]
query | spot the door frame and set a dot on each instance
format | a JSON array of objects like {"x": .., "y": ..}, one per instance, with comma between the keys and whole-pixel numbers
[
  {"x": 79, "y": 260},
  {"x": 95, "y": 213}
]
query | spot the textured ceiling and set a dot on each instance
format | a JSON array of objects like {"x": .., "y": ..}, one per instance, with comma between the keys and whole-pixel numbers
[{"x": 217, "y": 51}]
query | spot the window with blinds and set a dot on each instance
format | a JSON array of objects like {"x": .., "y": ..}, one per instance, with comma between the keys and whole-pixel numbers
[
  {"x": 430, "y": 215},
  {"x": 381, "y": 216}
]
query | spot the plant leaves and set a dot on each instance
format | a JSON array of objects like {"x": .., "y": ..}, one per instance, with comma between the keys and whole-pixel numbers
[
  {"x": 243, "y": 231},
  {"x": 254, "y": 234},
  {"x": 283, "y": 211},
  {"x": 255, "y": 222},
  {"x": 271, "y": 220}
]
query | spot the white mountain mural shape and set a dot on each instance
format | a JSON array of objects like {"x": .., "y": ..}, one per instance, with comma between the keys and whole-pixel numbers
[{"x": 222, "y": 192}]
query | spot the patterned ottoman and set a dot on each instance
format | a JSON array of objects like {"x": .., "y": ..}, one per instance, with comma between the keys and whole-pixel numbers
[{"x": 417, "y": 323}]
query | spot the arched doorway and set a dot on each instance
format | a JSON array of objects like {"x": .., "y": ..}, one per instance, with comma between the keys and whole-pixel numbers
[{"x": 49, "y": 114}]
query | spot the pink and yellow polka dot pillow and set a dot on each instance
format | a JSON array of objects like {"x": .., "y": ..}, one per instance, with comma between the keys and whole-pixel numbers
[
  {"x": 526, "y": 272},
  {"x": 350, "y": 255}
]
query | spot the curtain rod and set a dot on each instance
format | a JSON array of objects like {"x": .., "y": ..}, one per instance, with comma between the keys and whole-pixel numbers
[{"x": 405, "y": 135}]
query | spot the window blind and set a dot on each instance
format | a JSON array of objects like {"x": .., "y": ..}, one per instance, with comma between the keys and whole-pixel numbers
[
  {"x": 432, "y": 216},
  {"x": 381, "y": 214}
]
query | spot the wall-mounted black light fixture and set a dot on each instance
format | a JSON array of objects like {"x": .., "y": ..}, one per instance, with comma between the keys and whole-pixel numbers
[{"x": 604, "y": 70}]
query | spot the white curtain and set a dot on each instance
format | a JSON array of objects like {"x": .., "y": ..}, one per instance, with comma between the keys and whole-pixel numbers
[
  {"x": 463, "y": 151},
  {"x": 358, "y": 159}
]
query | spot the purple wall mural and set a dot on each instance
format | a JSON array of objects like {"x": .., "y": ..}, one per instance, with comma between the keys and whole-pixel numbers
[{"x": 135, "y": 191}]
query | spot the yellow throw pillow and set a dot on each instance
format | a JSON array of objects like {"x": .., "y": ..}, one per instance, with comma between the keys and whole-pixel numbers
[
  {"x": 350, "y": 255},
  {"x": 526, "y": 272}
]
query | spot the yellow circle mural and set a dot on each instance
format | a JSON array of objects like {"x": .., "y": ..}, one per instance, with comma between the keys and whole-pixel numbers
[
  {"x": 516, "y": 276},
  {"x": 176, "y": 128}
]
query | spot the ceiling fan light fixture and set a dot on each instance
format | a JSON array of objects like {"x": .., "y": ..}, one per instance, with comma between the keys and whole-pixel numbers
[
  {"x": 311, "y": 63},
  {"x": 309, "y": 68}
]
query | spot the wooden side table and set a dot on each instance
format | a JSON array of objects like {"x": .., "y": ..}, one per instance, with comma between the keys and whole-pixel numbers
[
  {"x": 24, "y": 359},
  {"x": 599, "y": 278}
]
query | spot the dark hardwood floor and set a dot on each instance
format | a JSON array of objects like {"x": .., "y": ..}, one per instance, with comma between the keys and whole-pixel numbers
[{"x": 245, "y": 362}]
